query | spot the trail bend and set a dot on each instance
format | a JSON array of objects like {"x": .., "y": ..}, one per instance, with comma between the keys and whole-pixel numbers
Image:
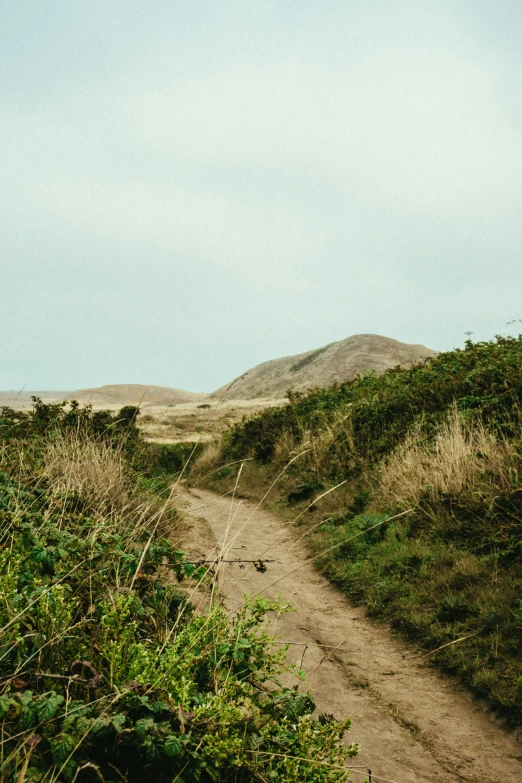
[{"x": 413, "y": 725}]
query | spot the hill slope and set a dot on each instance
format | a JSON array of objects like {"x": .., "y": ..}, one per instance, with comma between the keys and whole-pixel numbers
[
  {"x": 111, "y": 395},
  {"x": 441, "y": 444},
  {"x": 22, "y": 399},
  {"x": 118, "y": 394},
  {"x": 336, "y": 362}
]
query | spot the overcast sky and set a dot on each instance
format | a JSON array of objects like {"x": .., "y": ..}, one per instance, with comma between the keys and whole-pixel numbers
[{"x": 190, "y": 188}]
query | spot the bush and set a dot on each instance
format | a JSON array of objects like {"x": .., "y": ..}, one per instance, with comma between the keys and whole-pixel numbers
[
  {"x": 169, "y": 458},
  {"x": 106, "y": 670}
]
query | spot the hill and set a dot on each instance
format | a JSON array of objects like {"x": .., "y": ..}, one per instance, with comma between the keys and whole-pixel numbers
[
  {"x": 333, "y": 363},
  {"x": 22, "y": 399},
  {"x": 118, "y": 394},
  {"x": 110, "y": 396},
  {"x": 425, "y": 525}
]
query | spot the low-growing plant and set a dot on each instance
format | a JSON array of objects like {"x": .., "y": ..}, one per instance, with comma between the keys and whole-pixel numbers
[{"x": 107, "y": 672}]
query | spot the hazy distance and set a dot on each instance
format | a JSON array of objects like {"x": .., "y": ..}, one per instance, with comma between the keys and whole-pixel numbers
[{"x": 190, "y": 189}]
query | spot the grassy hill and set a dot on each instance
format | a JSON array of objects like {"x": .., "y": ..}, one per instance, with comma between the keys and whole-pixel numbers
[
  {"x": 22, "y": 399},
  {"x": 111, "y": 396},
  {"x": 442, "y": 442},
  {"x": 336, "y": 362},
  {"x": 118, "y": 394}
]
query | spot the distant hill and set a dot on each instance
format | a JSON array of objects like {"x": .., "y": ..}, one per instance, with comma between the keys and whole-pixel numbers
[
  {"x": 22, "y": 399},
  {"x": 339, "y": 361},
  {"x": 119, "y": 394},
  {"x": 113, "y": 395}
]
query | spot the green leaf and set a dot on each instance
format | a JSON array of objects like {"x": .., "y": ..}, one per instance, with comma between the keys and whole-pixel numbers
[
  {"x": 143, "y": 728},
  {"x": 61, "y": 746},
  {"x": 49, "y": 706},
  {"x": 172, "y": 745},
  {"x": 118, "y": 721},
  {"x": 5, "y": 703}
]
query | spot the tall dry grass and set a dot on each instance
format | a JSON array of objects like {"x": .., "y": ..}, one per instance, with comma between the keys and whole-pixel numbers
[
  {"x": 210, "y": 458},
  {"x": 465, "y": 457},
  {"x": 333, "y": 428},
  {"x": 90, "y": 468},
  {"x": 96, "y": 472},
  {"x": 338, "y": 427}
]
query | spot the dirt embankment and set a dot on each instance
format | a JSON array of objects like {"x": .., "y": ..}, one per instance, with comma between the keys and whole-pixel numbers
[{"x": 413, "y": 726}]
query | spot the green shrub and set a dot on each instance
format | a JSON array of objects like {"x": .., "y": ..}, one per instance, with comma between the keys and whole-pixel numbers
[
  {"x": 106, "y": 670},
  {"x": 169, "y": 458}
]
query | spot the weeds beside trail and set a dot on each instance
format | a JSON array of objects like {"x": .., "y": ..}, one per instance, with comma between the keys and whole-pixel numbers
[
  {"x": 107, "y": 673},
  {"x": 443, "y": 439}
]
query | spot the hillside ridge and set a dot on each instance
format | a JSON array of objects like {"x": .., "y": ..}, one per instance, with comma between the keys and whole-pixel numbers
[
  {"x": 109, "y": 395},
  {"x": 335, "y": 362},
  {"x": 133, "y": 394}
]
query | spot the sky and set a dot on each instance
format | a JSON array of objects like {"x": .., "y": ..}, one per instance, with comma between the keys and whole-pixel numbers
[{"x": 190, "y": 188}]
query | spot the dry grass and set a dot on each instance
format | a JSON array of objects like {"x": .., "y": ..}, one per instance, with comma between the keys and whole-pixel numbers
[
  {"x": 464, "y": 457},
  {"x": 336, "y": 428},
  {"x": 333, "y": 428},
  {"x": 286, "y": 446},
  {"x": 190, "y": 422},
  {"x": 209, "y": 459},
  {"x": 97, "y": 474},
  {"x": 89, "y": 468}
]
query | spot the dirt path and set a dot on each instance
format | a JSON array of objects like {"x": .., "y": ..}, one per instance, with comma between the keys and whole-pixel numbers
[{"x": 413, "y": 726}]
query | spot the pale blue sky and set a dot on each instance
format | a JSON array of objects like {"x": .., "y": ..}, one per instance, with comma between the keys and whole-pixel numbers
[{"x": 190, "y": 188}]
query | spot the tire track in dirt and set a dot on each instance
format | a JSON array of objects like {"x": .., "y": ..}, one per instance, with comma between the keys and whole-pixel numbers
[{"x": 413, "y": 725}]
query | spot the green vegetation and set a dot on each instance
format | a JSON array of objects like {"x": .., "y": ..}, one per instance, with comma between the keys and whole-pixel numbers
[
  {"x": 107, "y": 672},
  {"x": 159, "y": 459},
  {"x": 442, "y": 441}
]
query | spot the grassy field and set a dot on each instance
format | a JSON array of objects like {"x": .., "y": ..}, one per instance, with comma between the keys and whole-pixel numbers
[
  {"x": 201, "y": 421},
  {"x": 440, "y": 445}
]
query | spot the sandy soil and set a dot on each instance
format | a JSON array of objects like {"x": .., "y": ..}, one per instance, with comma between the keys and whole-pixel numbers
[{"x": 413, "y": 725}]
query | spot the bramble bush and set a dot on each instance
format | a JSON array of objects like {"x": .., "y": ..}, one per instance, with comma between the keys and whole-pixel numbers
[{"x": 107, "y": 672}]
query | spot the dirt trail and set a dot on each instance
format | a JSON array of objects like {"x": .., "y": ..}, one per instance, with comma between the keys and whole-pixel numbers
[{"x": 413, "y": 726}]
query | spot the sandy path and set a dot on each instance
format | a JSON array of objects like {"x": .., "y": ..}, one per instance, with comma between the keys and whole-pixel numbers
[{"x": 413, "y": 726}]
